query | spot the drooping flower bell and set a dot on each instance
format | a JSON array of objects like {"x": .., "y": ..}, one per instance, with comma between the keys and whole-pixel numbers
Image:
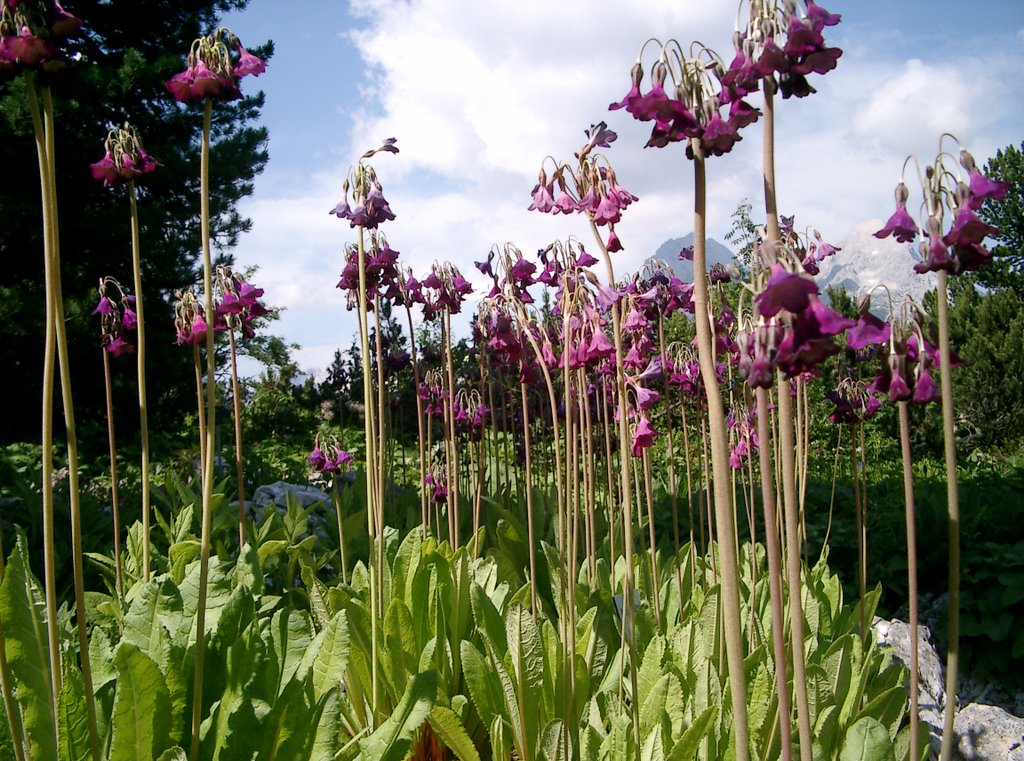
[
  {"x": 216, "y": 63},
  {"x": 327, "y": 457}
]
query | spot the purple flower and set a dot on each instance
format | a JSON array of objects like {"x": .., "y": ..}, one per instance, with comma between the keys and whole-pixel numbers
[
  {"x": 868, "y": 330},
  {"x": 785, "y": 290},
  {"x": 900, "y": 225},
  {"x": 643, "y": 436},
  {"x": 248, "y": 64}
]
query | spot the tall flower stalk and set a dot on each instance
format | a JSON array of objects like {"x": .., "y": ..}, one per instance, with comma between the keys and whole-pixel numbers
[
  {"x": 215, "y": 64},
  {"x": 124, "y": 161},
  {"x": 41, "y": 29}
]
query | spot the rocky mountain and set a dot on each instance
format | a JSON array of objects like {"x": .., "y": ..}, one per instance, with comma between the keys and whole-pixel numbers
[
  {"x": 865, "y": 262},
  {"x": 669, "y": 252}
]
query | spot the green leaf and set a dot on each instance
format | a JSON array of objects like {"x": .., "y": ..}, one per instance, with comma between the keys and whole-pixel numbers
[
  {"x": 447, "y": 726},
  {"x": 329, "y": 655},
  {"x": 484, "y": 689},
  {"x": 23, "y": 615},
  {"x": 867, "y": 740},
  {"x": 72, "y": 721},
  {"x": 650, "y": 668},
  {"x": 688, "y": 745},
  {"x": 140, "y": 702},
  {"x": 326, "y": 739},
  {"x": 392, "y": 739},
  {"x": 554, "y": 743}
]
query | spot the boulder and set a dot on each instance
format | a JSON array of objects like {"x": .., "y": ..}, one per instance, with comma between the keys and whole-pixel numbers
[
  {"x": 987, "y": 732},
  {"x": 277, "y": 494},
  {"x": 984, "y": 732}
]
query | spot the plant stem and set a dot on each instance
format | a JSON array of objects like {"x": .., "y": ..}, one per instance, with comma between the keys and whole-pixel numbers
[
  {"x": 49, "y": 375},
  {"x": 953, "y": 504},
  {"x": 419, "y": 421},
  {"x": 140, "y": 317},
  {"x": 371, "y": 469},
  {"x": 336, "y": 493},
  {"x": 628, "y": 585},
  {"x": 771, "y": 534},
  {"x": 724, "y": 515},
  {"x": 114, "y": 501},
  {"x": 210, "y": 420},
  {"x": 529, "y": 503},
  {"x": 908, "y": 498},
  {"x": 236, "y": 407}
]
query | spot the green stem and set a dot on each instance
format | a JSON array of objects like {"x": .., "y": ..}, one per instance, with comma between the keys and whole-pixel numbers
[
  {"x": 371, "y": 468},
  {"x": 210, "y": 440},
  {"x": 529, "y": 503},
  {"x": 336, "y": 494},
  {"x": 724, "y": 515},
  {"x": 236, "y": 408},
  {"x": 771, "y": 534},
  {"x": 115, "y": 502},
  {"x": 908, "y": 498},
  {"x": 141, "y": 367},
  {"x": 49, "y": 375},
  {"x": 953, "y": 504}
]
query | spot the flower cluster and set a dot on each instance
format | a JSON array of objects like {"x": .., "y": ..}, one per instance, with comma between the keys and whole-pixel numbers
[
  {"x": 691, "y": 107},
  {"x": 369, "y": 208},
  {"x": 117, "y": 316},
  {"x": 792, "y": 328},
  {"x": 907, "y": 356},
  {"x": 239, "y": 303},
  {"x": 327, "y": 457},
  {"x": 32, "y": 31},
  {"x": 590, "y": 189},
  {"x": 190, "y": 320},
  {"x": 215, "y": 65},
  {"x": 952, "y": 232},
  {"x": 782, "y": 47},
  {"x": 124, "y": 159},
  {"x": 380, "y": 267}
]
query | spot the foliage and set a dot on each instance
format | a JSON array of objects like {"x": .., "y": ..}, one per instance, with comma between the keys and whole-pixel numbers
[{"x": 125, "y": 59}]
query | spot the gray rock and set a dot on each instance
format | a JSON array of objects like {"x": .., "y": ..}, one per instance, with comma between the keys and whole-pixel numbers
[
  {"x": 984, "y": 732},
  {"x": 277, "y": 494},
  {"x": 988, "y": 732}
]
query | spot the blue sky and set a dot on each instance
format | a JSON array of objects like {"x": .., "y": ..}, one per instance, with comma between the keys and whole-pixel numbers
[{"x": 479, "y": 93}]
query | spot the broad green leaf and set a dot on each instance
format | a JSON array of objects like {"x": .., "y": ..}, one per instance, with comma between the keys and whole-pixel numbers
[
  {"x": 525, "y": 649},
  {"x": 247, "y": 570},
  {"x": 289, "y": 637},
  {"x": 488, "y": 620},
  {"x": 554, "y": 743},
  {"x": 654, "y": 747},
  {"x": 156, "y": 607},
  {"x": 448, "y": 726},
  {"x": 398, "y": 656},
  {"x": 888, "y": 708},
  {"x": 501, "y": 743},
  {"x": 653, "y": 708},
  {"x": 484, "y": 689},
  {"x": 327, "y": 738},
  {"x": 650, "y": 668},
  {"x": 867, "y": 740},
  {"x": 141, "y": 707},
  {"x": 327, "y": 656},
  {"x": 72, "y": 721},
  {"x": 23, "y": 616},
  {"x": 687, "y": 746},
  {"x": 393, "y": 738}
]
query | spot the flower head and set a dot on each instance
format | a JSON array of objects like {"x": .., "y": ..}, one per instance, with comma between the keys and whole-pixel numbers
[{"x": 215, "y": 64}]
